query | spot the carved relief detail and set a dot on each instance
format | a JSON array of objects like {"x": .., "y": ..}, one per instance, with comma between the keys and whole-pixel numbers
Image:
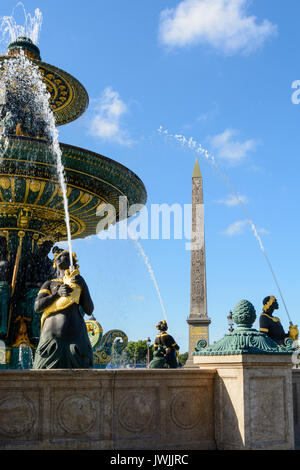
[
  {"x": 135, "y": 412},
  {"x": 17, "y": 416},
  {"x": 76, "y": 414},
  {"x": 198, "y": 300},
  {"x": 185, "y": 409}
]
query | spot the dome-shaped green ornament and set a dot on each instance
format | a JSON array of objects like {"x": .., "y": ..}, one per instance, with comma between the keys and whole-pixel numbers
[
  {"x": 244, "y": 339},
  {"x": 244, "y": 314}
]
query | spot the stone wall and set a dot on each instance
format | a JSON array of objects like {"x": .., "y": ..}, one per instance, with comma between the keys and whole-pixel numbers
[
  {"x": 101, "y": 409},
  {"x": 296, "y": 403},
  {"x": 253, "y": 401}
]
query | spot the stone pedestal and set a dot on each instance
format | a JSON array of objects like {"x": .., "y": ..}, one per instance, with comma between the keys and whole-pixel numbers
[
  {"x": 253, "y": 401},
  {"x": 253, "y": 387},
  {"x": 296, "y": 401},
  {"x": 198, "y": 330}
]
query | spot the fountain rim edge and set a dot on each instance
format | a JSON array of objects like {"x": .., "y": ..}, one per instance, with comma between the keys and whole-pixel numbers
[
  {"x": 82, "y": 97},
  {"x": 64, "y": 146}
]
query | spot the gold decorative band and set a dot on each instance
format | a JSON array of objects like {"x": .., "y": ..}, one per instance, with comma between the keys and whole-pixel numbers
[
  {"x": 276, "y": 319},
  {"x": 264, "y": 330},
  {"x": 268, "y": 304},
  {"x": 44, "y": 291}
]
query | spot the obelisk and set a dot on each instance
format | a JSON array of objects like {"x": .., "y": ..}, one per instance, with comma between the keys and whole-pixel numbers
[{"x": 198, "y": 320}]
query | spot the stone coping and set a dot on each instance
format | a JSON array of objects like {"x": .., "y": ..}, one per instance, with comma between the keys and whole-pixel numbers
[
  {"x": 251, "y": 360},
  {"x": 93, "y": 373}
]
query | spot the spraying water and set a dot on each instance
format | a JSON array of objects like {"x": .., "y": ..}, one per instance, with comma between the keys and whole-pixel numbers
[
  {"x": 150, "y": 270},
  {"x": 24, "y": 89},
  {"x": 25, "y": 358},
  {"x": 197, "y": 147},
  {"x": 11, "y": 30}
]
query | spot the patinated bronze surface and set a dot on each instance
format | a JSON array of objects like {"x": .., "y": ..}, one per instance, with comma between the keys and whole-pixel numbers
[
  {"x": 166, "y": 349},
  {"x": 271, "y": 325},
  {"x": 5, "y": 288},
  {"x": 64, "y": 341}
]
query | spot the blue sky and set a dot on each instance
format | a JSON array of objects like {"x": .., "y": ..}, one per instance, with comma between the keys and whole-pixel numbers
[{"x": 220, "y": 72}]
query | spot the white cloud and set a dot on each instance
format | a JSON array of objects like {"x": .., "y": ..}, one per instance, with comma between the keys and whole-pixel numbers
[
  {"x": 233, "y": 200},
  {"x": 108, "y": 112},
  {"x": 138, "y": 297},
  {"x": 263, "y": 231},
  {"x": 229, "y": 148},
  {"x": 223, "y": 24},
  {"x": 236, "y": 228}
]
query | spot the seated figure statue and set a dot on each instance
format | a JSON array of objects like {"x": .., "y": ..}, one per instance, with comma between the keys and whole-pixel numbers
[
  {"x": 165, "y": 349},
  {"x": 272, "y": 326},
  {"x": 64, "y": 342},
  {"x": 5, "y": 288}
]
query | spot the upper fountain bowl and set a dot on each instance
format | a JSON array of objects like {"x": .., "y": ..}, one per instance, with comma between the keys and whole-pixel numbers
[
  {"x": 68, "y": 97},
  {"x": 25, "y": 44}
]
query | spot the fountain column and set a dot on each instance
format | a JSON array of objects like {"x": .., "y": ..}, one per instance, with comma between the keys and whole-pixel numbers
[{"x": 198, "y": 320}]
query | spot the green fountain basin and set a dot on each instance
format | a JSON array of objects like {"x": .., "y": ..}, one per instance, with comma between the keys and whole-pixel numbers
[{"x": 30, "y": 196}]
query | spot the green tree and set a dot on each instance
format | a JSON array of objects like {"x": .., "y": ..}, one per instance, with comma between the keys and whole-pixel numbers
[
  {"x": 137, "y": 352},
  {"x": 183, "y": 358}
]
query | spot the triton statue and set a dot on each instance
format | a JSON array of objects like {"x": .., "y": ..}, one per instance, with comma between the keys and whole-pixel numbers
[
  {"x": 19, "y": 114},
  {"x": 5, "y": 288},
  {"x": 272, "y": 325},
  {"x": 165, "y": 349},
  {"x": 39, "y": 268},
  {"x": 64, "y": 342}
]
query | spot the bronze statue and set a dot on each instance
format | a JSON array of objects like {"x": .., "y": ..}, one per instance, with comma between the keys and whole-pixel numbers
[
  {"x": 64, "y": 342},
  {"x": 19, "y": 114},
  {"x": 38, "y": 268},
  {"x": 272, "y": 326},
  {"x": 165, "y": 349},
  {"x": 5, "y": 287},
  {"x": 159, "y": 359}
]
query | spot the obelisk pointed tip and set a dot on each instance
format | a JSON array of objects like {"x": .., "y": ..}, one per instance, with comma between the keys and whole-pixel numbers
[{"x": 197, "y": 172}]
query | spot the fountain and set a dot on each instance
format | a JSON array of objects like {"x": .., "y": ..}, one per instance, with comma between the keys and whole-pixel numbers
[
  {"x": 49, "y": 191},
  {"x": 113, "y": 342}
]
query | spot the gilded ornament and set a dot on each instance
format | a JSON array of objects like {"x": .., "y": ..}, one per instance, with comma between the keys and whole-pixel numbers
[
  {"x": 35, "y": 185},
  {"x": 95, "y": 332},
  {"x": 4, "y": 182},
  {"x": 64, "y": 302},
  {"x": 85, "y": 198},
  {"x": 22, "y": 336}
]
